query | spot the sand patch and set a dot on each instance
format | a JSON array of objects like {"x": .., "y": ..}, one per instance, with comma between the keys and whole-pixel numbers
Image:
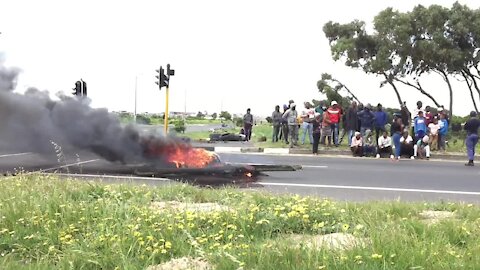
[
  {"x": 432, "y": 217},
  {"x": 184, "y": 263},
  {"x": 332, "y": 241},
  {"x": 191, "y": 207}
]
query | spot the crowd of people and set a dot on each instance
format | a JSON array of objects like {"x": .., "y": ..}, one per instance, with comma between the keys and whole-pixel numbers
[{"x": 411, "y": 135}]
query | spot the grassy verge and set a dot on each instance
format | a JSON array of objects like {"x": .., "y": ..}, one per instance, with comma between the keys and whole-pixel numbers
[{"x": 47, "y": 223}]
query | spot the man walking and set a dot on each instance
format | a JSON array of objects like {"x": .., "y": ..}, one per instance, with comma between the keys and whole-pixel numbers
[
  {"x": 351, "y": 121},
  {"x": 471, "y": 126},
  {"x": 248, "y": 124},
  {"x": 277, "y": 122},
  {"x": 380, "y": 122},
  {"x": 292, "y": 120},
  {"x": 335, "y": 113}
]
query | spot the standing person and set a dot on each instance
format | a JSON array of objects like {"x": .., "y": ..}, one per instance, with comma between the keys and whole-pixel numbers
[
  {"x": 359, "y": 109},
  {"x": 397, "y": 128},
  {"x": 434, "y": 127},
  {"x": 284, "y": 129},
  {"x": 416, "y": 111},
  {"x": 335, "y": 113},
  {"x": 292, "y": 120},
  {"x": 326, "y": 129},
  {"x": 367, "y": 119},
  {"x": 428, "y": 116},
  {"x": 471, "y": 127},
  {"x": 380, "y": 121},
  {"x": 351, "y": 121},
  {"x": 442, "y": 133},
  {"x": 277, "y": 122},
  {"x": 405, "y": 114},
  {"x": 248, "y": 124},
  {"x": 317, "y": 125},
  {"x": 307, "y": 118},
  {"x": 419, "y": 127}
]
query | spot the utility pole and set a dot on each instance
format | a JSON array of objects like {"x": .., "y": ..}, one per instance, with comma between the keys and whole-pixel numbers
[{"x": 135, "y": 110}]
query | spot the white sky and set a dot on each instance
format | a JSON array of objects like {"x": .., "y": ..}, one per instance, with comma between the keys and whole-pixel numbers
[{"x": 226, "y": 54}]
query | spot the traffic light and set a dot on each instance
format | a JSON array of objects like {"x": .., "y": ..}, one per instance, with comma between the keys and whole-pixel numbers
[
  {"x": 84, "y": 89},
  {"x": 80, "y": 88},
  {"x": 162, "y": 79},
  {"x": 77, "y": 89}
]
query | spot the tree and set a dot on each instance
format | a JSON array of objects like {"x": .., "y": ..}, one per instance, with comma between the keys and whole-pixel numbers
[
  {"x": 269, "y": 119},
  {"x": 226, "y": 115},
  {"x": 214, "y": 116},
  {"x": 327, "y": 79},
  {"x": 200, "y": 115},
  {"x": 351, "y": 44}
]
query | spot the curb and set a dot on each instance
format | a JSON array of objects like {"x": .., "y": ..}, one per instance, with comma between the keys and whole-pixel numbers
[{"x": 293, "y": 151}]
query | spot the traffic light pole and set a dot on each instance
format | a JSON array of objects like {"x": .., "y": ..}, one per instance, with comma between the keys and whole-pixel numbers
[{"x": 166, "y": 111}]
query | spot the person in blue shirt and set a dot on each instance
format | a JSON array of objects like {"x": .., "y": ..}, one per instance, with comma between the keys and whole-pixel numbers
[
  {"x": 442, "y": 132},
  {"x": 380, "y": 121},
  {"x": 471, "y": 127},
  {"x": 420, "y": 126}
]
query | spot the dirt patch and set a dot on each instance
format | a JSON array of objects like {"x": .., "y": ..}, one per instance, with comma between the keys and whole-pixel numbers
[
  {"x": 192, "y": 207},
  {"x": 332, "y": 241},
  {"x": 432, "y": 217},
  {"x": 184, "y": 263}
]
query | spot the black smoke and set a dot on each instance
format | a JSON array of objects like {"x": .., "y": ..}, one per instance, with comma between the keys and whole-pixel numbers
[{"x": 30, "y": 122}]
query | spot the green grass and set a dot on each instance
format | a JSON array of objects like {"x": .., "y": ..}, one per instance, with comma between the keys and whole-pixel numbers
[{"x": 49, "y": 223}]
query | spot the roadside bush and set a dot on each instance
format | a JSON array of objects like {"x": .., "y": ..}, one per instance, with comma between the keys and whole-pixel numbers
[
  {"x": 179, "y": 126},
  {"x": 238, "y": 121}
]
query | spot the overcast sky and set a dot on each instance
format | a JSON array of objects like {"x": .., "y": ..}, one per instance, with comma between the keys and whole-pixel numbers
[{"x": 227, "y": 55}]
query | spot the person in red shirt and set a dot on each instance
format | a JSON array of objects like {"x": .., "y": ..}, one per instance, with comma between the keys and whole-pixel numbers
[
  {"x": 428, "y": 116},
  {"x": 335, "y": 113}
]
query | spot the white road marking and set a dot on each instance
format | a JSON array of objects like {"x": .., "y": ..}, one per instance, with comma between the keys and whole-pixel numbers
[
  {"x": 373, "y": 188},
  {"x": 113, "y": 176},
  {"x": 14, "y": 155},
  {"x": 69, "y": 165},
  {"x": 303, "y": 166},
  {"x": 314, "y": 166}
]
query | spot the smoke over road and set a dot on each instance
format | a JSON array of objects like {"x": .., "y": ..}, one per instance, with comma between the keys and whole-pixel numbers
[{"x": 30, "y": 121}]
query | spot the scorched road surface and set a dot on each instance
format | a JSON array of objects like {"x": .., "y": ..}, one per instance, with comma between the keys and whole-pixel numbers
[{"x": 354, "y": 179}]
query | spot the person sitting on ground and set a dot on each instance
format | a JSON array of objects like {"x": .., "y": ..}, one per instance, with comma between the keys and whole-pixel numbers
[
  {"x": 368, "y": 144},
  {"x": 406, "y": 148},
  {"x": 434, "y": 127},
  {"x": 421, "y": 148},
  {"x": 384, "y": 146},
  {"x": 357, "y": 145}
]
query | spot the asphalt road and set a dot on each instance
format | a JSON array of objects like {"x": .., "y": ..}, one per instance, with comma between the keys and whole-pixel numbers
[
  {"x": 158, "y": 129},
  {"x": 353, "y": 179}
]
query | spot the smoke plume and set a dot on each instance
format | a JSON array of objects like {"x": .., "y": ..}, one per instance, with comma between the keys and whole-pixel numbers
[{"x": 29, "y": 122}]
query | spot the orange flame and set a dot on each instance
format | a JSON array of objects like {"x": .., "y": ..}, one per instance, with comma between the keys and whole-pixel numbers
[{"x": 191, "y": 157}]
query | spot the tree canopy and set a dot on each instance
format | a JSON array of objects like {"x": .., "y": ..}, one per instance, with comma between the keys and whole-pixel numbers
[{"x": 404, "y": 46}]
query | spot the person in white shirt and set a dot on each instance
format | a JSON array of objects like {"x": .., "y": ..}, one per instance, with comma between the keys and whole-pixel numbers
[
  {"x": 421, "y": 148},
  {"x": 406, "y": 143},
  {"x": 434, "y": 127},
  {"x": 357, "y": 145},
  {"x": 384, "y": 146}
]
